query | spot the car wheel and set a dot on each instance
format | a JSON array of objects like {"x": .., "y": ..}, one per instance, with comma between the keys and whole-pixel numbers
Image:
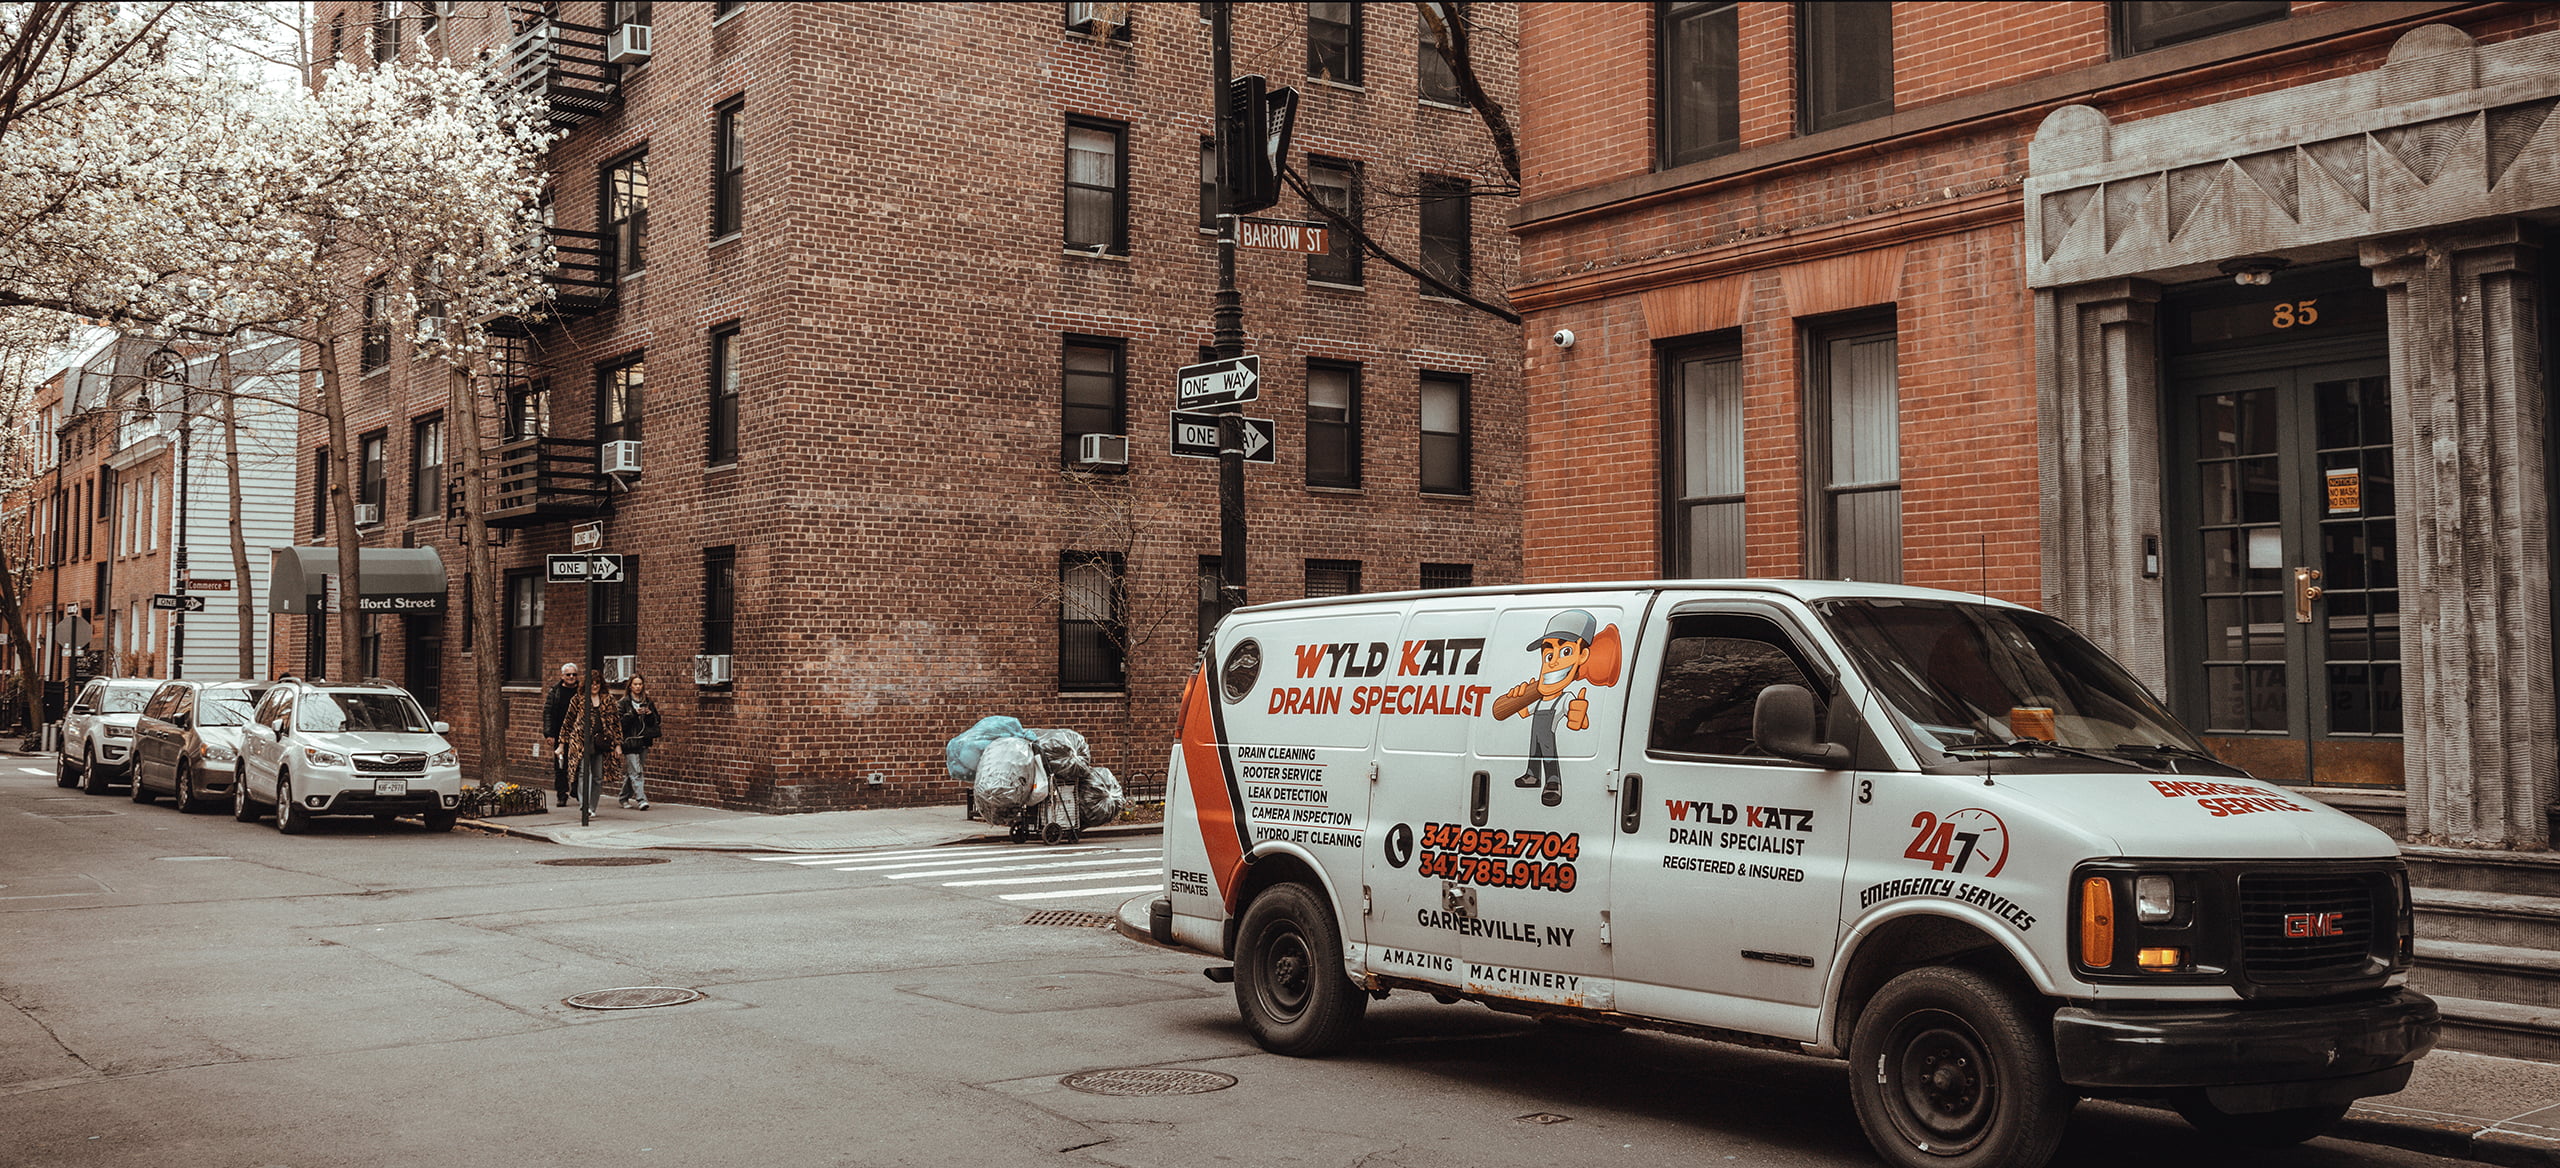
[
  {"x": 64, "y": 774},
  {"x": 440, "y": 820},
  {"x": 1949, "y": 1070},
  {"x": 242, "y": 808},
  {"x": 184, "y": 796},
  {"x": 92, "y": 780},
  {"x": 133, "y": 778},
  {"x": 1289, "y": 980},
  {"x": 2265, "y": 1130},
  {"x": 290, "y": 817}
]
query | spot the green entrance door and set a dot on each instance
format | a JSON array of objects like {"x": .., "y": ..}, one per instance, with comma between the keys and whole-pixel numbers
[{"x": 2286, "y": 598}]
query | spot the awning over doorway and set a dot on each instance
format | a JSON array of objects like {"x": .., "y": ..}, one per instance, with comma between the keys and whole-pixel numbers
[{"x": 396, "y": 580}]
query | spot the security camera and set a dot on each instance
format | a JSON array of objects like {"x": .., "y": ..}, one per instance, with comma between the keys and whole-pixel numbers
[{"x": 1563, "y": 338}]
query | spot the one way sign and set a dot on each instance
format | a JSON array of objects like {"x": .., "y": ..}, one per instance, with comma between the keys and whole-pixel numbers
[
  {"x": 601, "y": 568},
  {"x": 175, "y": 603},
  {"x": 1195, "y": 435}
]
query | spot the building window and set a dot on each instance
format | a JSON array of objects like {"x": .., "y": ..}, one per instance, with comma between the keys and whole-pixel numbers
[
  {"x": 528, "y": 410},
  {"x": 613, "y": 615},
  {"x": 1857, "y": 466},
  {"x": 1448, "y": 575},
  {"x": 720, "y": 9},
  {"x": 1448, "y": 230},
  {"x": 2141, "y": 27},
  {"x": 1097, "y": 186},
  {"x": 386, "y": 32},
  {"x": 728, "y": 169},
  {"x": 622, "y": 12},
  {"x": 1337, "y": 186},
  {"x": 1701, "y": 72},
  {"x": 375, "y": 352},
  {"x": 1847, "y": 61},
  {"x": 320, "y": 491},
  {"x": 723, "y": 440},
  {"x": 626, "y": 212},
  {"x": 523, "y": 664},
  {"x": 1333, "y": 424},
  {"x": 426, "y": 468},
  {"x": 1091, "y": 638},
  {"x": 1333, "y": 577},
  {"x": 1445, "y": 435},
  {"x": 1208, "y": 184},
  {"x": 618, "y": 390},
  {"x": 1333, "y": 42},
  {"x": 1703, "y": 463},
  {"x": 370, "y": 484},
  {"x": 151, "y": 512},
  {"x": 720, "y": 600},
  {"x": 1435, "y": 80},
  {"x": 1093, "y": 392}
]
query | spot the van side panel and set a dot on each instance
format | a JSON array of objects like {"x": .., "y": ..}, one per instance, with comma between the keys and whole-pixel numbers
[{"x": 1210, "y": 788}]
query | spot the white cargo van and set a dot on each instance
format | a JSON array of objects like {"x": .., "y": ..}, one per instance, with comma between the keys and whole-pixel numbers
[{"x": 1941, "y": 836}]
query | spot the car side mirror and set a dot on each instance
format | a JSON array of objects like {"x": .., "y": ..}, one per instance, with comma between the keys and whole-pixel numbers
[
  {"x": 84, "y": 709},
  {"x": 182, "y": 720},
  {"x": 443, "y": 728},
  {"x": 1782, "y": 722}
]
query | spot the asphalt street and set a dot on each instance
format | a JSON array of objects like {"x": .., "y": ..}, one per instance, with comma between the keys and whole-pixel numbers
[{"x": 187, "y": 990}]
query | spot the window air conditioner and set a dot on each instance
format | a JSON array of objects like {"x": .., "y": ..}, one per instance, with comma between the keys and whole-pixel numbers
[
  {"x": 627, "y": 45},
  {"x": 368, "y": 514},
  {"x": 620, "y": 457},
  {"x": 1103, "y": 449},
  {"x": 1097, "y": 18},
  {"x": 711, "y": 669},
  {"x": 619, "y": 669}
]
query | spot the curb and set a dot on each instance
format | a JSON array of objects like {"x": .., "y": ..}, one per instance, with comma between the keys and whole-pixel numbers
[
  {"x": 1107, "y": 831},
  {"x": 2451, "y": 1139}
]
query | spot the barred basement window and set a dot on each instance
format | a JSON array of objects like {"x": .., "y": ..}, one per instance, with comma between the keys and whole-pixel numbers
[
  {"x": 1448, "y": 575},
  {"x": 1333, "y": 577},
  {"x": 719, "y": 600},
  {"x": 1092, "y": 635}
]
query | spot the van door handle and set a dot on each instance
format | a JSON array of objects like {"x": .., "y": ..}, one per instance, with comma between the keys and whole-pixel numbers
[
  {"x": 1479, "y": 798},
  {"x": 1631, "y": 803}
]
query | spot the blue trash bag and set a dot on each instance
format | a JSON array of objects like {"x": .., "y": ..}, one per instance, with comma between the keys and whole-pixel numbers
[{"x": 960, "y": 755}]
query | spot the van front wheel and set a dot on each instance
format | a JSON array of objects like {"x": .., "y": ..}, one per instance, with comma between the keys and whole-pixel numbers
[
  {"x": 1949, "y": 1070},
  {"x": 1289, "y": 981}
]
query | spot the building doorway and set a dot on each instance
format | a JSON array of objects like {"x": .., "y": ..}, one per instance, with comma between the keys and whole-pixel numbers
[
  {"x": 2283, "y": 549},
  {"x": 422, "y": 656}
]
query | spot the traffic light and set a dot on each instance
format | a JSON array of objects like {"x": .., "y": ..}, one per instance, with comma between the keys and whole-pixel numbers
[{"x": 1258, "y": 125}]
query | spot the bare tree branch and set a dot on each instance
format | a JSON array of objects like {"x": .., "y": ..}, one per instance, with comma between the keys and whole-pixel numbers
[
  {"x": 1369, "y": 244},
  {"x": 1450, "y": 36}
]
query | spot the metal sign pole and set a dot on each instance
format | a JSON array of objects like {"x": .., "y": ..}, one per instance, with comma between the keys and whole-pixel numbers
[{"x": 1227, "y": 325}]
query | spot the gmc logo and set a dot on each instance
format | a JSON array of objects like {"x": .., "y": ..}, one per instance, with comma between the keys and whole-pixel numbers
[{"x": 2315, "y": 924}]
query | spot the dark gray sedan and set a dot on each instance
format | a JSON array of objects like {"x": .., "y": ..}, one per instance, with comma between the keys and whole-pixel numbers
[{"x": 187, "y": 743}]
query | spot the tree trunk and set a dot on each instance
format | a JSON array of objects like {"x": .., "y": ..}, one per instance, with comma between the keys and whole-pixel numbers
[
  {"x": 31, "y": 686},
  {"x": 489, "y": 701},
  {"x": 342, "y": 512},
  {"x": 242, "y": 584}
]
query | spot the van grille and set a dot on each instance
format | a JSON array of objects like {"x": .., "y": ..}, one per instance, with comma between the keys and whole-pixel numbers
[{"x": 2302, "y": 926}]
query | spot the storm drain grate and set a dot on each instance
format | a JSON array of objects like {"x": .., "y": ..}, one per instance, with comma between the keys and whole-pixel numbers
[
  {"x": 1072, "y": 920},
  {"x": 603, "y": 861},
  {"x": 1148, "y": 1081},
  {"x": 633, "y": 998}
]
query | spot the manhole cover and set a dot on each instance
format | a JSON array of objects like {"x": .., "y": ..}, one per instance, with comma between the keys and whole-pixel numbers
[
  {"x": 1072, "y": 920},
  {"x": 603, "y": 861},
  {"x": 1148, "y": 1081},
  {"x": 633, "y": 998},
  {"x": 1545, "y": 1117}
]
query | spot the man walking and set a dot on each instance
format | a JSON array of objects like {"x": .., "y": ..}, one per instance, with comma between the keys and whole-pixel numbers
[{"x": 555, "y": 708}]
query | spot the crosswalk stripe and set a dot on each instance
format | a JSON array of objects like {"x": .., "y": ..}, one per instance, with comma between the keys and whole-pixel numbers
[
  {"x": 1007, "y": 868},
  {"x": 979, "y": 858},
  {"x": 831, "y": 857},
  {"x": 1055, "y": 879},
  {"x": 1056, "y": 895}
]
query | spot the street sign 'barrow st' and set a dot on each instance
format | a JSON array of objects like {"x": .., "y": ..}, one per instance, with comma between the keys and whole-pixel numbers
[{"x": 1217, "y": 383}]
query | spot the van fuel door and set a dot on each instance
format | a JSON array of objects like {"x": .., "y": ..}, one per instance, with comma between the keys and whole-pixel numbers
[{"x": 1457, "y": 900}]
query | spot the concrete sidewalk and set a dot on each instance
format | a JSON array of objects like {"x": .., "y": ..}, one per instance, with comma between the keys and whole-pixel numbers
[{"x": 2460, "y": 1105}]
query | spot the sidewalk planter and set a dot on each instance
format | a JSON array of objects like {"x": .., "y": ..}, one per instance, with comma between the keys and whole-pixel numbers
[{"x": 484, "y": 802}]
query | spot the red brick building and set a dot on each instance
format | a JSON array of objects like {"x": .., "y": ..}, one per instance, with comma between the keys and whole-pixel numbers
[
  {"x": 2220, "y": 330},
  {"x": 857, "y": 279}
]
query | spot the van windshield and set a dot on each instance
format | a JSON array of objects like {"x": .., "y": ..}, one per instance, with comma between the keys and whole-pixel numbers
[
  {"x": 360, "y": 713},
  {"x": 1978, "y": 679}
]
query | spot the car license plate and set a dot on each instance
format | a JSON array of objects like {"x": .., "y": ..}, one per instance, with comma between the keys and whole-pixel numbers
[{"x": 391, "y": 786}]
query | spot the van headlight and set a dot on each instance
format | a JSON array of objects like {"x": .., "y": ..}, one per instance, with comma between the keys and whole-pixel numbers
[
  {"x": 326, "y": 758},
  {"x": 444, "y": 758},
  {"x": 2155, "y": 898},
  {"x": 2133, "y": 920}
]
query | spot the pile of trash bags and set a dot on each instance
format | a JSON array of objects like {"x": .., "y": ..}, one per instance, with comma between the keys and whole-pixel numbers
[{"x": 1012, "y": 769}]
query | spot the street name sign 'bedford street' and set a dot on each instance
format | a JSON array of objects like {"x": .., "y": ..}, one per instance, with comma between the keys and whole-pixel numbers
[
  {"x": 1196, "y": 436},
  {"x": 1217, "y": 383},
  {"x": 600, "y": 568}
]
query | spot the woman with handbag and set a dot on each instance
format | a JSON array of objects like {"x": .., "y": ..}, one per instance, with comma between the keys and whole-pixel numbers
[
  {"x": 639, "y": 725},
  {"x": 589, "y": 735}
]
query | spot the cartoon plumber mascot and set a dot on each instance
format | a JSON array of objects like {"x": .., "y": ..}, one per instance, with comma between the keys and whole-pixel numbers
[{"x": 1573, "y": 649}]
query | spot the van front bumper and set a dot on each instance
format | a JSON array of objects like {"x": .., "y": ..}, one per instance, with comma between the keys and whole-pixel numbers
[{"x": 2253, "y": 1058}]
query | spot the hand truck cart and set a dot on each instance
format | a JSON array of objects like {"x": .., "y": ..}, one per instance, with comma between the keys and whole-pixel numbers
[{"x": 1058, "y": 819}]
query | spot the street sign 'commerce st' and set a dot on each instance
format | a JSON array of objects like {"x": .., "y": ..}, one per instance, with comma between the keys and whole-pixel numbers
[
  {"x": 1196, "y": 436},
  {"x": 1217, "y": 383}
]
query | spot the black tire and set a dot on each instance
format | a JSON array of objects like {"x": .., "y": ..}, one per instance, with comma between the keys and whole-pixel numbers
[
  {"x": 133, "y": 776},
  {"x": 290, "y": 818},
  {"x": 184, "y": 797},
  {"x": 1949, "y": 1069},
  {"x": 64, "y": 774},
  {"x": 2263, "y": 1130},
  {"x": 440, "y": 820},
  {"x": 243, "y": 808},
  {"x": 92, "y": 780},
  {"x": 1289, "y": 980}
]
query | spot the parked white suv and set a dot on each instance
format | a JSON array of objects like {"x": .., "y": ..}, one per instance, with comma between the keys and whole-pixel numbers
[
  {"x": 98, "y": 732},
  {"x": 345, "y": 748}
]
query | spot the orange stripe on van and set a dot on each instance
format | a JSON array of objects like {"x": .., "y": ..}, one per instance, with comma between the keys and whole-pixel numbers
[{"x": 1213, "y": 789}]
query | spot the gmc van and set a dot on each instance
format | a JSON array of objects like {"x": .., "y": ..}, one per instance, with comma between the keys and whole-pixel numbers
[{"x": 1941, "y": 836}]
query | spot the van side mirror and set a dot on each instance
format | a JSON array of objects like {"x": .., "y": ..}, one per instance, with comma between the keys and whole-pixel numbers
[{"x": 1782, "y": 723}]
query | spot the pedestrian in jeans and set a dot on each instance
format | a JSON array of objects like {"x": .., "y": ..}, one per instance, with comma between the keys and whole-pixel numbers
[
  {"x": 639, "y": 729},
  {"x": 555, "y": 709},
  {"x": 587, "y": 734}
]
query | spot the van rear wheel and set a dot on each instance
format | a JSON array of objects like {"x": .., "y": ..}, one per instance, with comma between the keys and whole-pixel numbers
[
  {"x": 1289, "y": 980},
  {"x": 1949, "y": 1070},
  {"x": 2263, "y": 1130}
]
